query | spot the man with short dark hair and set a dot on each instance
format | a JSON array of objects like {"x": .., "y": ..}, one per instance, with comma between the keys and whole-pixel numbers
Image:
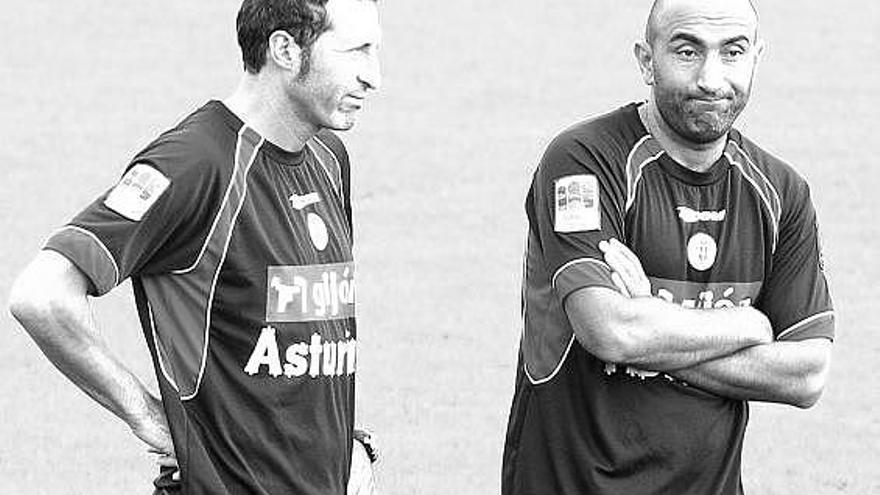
[
  {"x": 619, "y": 392},
  {"x": 235, "y": 229}
]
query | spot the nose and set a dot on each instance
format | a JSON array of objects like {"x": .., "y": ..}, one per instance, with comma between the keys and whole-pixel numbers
[
  {"x": 371, "y": 74},
  {"x": 711, "y": 78}
]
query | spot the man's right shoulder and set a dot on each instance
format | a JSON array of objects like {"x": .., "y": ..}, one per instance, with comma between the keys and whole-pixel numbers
[
  {"x": 603, "y": 140},
  {"x": 603, "y": 130}
]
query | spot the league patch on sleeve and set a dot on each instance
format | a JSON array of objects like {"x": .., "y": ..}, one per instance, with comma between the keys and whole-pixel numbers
[
  {"x": 137, "y": 191},
  {"x": 577, "y": 204}
]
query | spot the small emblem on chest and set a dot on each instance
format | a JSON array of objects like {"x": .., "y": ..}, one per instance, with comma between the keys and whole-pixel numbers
[
  {"x": 701, "y": 251},
  {"x": 299, "y": 202},
  {"x": 317, "y": 231}
]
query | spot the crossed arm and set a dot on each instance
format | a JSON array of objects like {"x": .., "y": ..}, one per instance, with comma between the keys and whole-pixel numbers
[
  {"x": 50, "y": 301},
  {"x": 729, "y": 352}
]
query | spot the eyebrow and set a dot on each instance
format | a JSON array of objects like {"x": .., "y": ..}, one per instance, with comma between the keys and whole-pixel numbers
[{"x": 687, "y": 37}]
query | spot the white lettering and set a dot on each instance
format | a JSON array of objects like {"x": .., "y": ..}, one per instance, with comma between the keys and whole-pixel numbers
[
  {"x": 688, "y": 215},
  {"x": 351, "y": 358},
  {"x": 314, "y": 358},
  {"x": 341, "y": 357},
  {"x": 315, "y": 349},
  {"x": 346, "y": 288},
  {"x": 297, "y": 365},
  {"x": 329, "y": 367},
  {"x": 314, "y": 292},
  {"x": 641, "y": 374},
  {"x": 265, "y": 352},
  {"x": 706, "y": 299}
]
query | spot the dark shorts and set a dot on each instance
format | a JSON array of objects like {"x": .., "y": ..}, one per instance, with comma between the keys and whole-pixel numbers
[{"x": 164, "y": 483}]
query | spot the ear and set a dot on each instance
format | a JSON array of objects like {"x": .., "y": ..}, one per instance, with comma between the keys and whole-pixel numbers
[
  {"x": 760, "y": 46},
  {"x": 644, "y": 56},
  {"x": 283, "y": 51}
]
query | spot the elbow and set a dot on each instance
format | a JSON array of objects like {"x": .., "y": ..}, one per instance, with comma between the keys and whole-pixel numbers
[
  {"x": 48, "y": 289},
  {"x": 810, "y": 389},
  {"x": 806, "y": 400},
  {"x": 27, "y": 304},
  {"x": 606, "y": 325},
  {"x": 32, "y": 303},
  {"x": 811, "y": 384},
  {"x": 611, "y": 343}
]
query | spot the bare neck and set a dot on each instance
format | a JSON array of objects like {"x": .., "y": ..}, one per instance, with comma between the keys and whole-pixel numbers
[
  {"x": 695, "y": 156},
  {"x": 262, "y": 105}
]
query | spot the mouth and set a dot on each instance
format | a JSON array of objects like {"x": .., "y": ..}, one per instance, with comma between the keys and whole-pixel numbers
[
  {"x": 709, "y": 104},
  {"x": 709, "y": 101},
  {"x": 351, "y": 104}
]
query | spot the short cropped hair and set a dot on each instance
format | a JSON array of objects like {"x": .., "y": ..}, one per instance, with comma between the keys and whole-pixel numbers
[
  {"x": 304, "y": 20},
  {"x": 651, "y": 24}
]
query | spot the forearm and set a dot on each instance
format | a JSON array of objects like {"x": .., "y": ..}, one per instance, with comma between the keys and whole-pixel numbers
[
  {"x": 787, "y": 372},
  {"x": 655, "y": 335},
  {"x": 92, "y": 368},
  {"x": 58, "y": 317}
]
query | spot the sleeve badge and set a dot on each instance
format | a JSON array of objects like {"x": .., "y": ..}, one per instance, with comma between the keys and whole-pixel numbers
[
  {"x": 577, "y": 204},
  {"x": 137, "y": 191}
]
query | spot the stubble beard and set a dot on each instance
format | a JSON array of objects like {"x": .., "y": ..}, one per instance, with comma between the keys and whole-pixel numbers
[{"x": 677, "y": 109}]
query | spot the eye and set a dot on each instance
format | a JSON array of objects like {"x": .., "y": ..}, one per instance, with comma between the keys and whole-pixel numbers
[
  {"x": 365, "y": 48},
  {"x": 686, "y": 53},
  {"x": 734, "y": 52}
]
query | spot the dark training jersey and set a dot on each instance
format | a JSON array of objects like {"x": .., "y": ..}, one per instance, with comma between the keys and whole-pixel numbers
[
  {"x": 240, "y": 257},
  {"x": 741, "y": 234}
]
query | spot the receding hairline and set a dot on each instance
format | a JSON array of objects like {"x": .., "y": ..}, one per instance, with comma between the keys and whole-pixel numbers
[{"x": 657, "y": 8}]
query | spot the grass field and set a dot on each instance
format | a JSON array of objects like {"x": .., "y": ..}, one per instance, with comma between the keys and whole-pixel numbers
[{"x": 472, "y": 93}]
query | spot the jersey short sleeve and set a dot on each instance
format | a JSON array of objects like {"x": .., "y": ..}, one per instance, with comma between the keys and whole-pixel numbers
[
  {"x": 577, "y": 201},
  {"x": 796, "y": 297},
  {"x": 149, "y": 222}
]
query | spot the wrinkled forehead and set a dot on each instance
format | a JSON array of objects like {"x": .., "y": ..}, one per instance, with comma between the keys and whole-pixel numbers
[
  {"x": 355, "y": 21},
  {"x": 706, "y": 19}
]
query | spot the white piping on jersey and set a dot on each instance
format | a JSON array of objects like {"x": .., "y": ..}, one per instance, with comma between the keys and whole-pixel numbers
[
  {"x": 100, "y": 245},
  {"x": 330, "y": 176},
  {"x": 758, "y": 170},
  {"x": 806, "y": 321},
  {"x": 220, "y": 210},
  {"x": 570, "y": 342},
  {"x": 555, "y": 371},
  {"x": 574, "y": 262},
  {"x": 220, "y": 263},
  {"x": 522, "y": 293},
  {"x": 774, "y": 221},
  {"x": 157, "y": 343},
  {"x": 523, "y": 290},
  {"x": 634, "y": 182}
]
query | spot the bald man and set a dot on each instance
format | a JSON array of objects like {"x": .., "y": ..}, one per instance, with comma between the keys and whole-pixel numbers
[{"x": 673, "y": 273}]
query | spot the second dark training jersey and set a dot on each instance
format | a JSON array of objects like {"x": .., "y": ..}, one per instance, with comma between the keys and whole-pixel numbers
[
  {"x": 239, "y": 253},
  {"x": 742, "y": 233}
]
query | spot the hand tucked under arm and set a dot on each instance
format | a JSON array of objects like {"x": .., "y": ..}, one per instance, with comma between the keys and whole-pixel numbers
[
  {"x": 50, "y": 301},
  {"x": 782, "y": 371}
]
